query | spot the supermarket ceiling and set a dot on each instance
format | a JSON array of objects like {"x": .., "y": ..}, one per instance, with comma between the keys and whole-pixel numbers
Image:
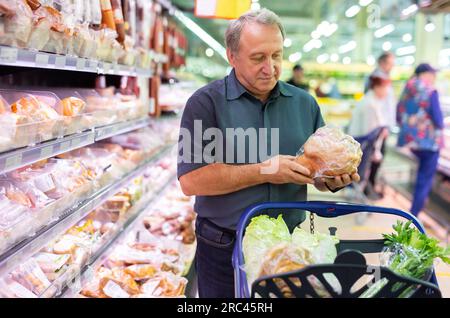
[{"x": 302, "y": 17}]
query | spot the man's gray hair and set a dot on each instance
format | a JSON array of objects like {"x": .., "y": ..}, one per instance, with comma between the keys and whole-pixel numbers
[{"x": 262, "y": 16}]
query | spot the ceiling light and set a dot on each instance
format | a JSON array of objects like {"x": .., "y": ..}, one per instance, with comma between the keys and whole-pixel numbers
[
  {"x": 409, "y": 60},
  {"x": 334, "y": 57},
  {"x": 387, "y": 46},
  {"x": 315, "y": 34},
  {"x": 209, "y": 52},
  {"x": 364, "y": 3},
  {"x": 202, "y": 34},
  {"x": 352, "y": 11},
  {"x": 430, "y": 27},
  {"x": 295, "y": 57},
  {"x": 330, "y": 30},
  {"x": 407, "y": 37},
  {"x": 287, "y": 42},
  {"x": 350, "y": 46},
  {"x": 406, "y": 50},
  {"x": 346, "y": 60},
  {"x": 384, "y": 30},
  {"x": 323, "y": 58},
  {"x": 410, "y": 10},
  {"x": 370, "y": 60}
]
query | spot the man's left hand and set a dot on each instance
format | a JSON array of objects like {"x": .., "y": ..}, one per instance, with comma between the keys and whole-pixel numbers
[{"x": 336, "y": 182}]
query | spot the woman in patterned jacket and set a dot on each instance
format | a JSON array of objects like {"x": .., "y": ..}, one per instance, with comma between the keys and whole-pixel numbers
[{"x": 421, "y": 123}]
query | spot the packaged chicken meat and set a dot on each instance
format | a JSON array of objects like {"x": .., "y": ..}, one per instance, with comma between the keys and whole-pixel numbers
[
  {"x": 31, "y": 276},
  {"x": 12, "y": 289},
  {"x": 329, "y": 152},
  {"x": 16, "y": 222},
  {"x": 17, "y": 23}
]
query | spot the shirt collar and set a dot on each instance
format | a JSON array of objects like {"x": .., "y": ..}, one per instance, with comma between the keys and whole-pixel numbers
[{"x": 235, "y": 89}]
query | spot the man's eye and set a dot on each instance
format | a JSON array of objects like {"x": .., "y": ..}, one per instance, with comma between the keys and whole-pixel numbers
[
  {"x": 276, "y": 56},
  {"x": 258, "y": 58}
]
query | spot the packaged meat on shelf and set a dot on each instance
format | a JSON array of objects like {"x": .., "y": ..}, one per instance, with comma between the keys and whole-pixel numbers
[
  {"x": 49, "y": 271},
  {"x": 126, "y": 32},
  {"x": 36, "y": 195},
  {"x": 28, "y": 117},
  {"x": 152, "y": 259}
]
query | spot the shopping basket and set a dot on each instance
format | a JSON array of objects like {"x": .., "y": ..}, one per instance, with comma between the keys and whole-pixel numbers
[{"x": 349, "y": 267}]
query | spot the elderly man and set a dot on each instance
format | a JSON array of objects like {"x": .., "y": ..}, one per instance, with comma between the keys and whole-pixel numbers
[{"x": 252, "y": 98}]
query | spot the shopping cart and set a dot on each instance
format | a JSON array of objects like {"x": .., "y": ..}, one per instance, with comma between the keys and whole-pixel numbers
[{"x": 349, "y": 267}]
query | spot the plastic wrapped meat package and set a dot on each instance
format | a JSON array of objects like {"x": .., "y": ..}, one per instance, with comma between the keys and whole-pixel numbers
[
  {"x": 72, "y": 107},
  {"x": 9, "y": 288},
  {"x": 17, "y": 22},
  {"x": 329, "y": 152},
  {"x": 99, "y": 108},
  {"x": 31, "y": 276},
  {"x": 64, "y": 182},
  {"x": 16, "y": 222},
  {"x": 29, "y": 117},
  {"x": 60, "y": 36}
]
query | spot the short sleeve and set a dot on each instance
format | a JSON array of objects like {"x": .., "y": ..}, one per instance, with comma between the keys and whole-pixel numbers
[
  {"x": 197, "y": 117},
  {"x": 317, "y": 115}
]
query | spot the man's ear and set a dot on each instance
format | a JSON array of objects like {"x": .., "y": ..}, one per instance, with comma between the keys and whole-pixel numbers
[{"x": 231, "y": 57}]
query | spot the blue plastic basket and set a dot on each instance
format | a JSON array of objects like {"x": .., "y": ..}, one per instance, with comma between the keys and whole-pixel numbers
[{"x": 322, "y": 209}]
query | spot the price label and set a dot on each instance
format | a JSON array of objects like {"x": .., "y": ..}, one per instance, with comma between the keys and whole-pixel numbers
[
  {"x": 46, "y": 152},
  {"x": 8, "y": 54},
  {"x": 93, "y": 65},
  {"x": 64, "y": 146},
  {"x": 41, "y": 59},
  {"x": 106, "y": 67},
  {"x": 76, "y": 142},
  {"x": 13, "y": 161},
  {"x": 81, "y": 64},
  {"x": 60, "y": 62}
]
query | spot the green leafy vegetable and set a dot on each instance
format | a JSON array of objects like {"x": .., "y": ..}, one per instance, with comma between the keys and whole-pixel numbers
[
  {"x": 262, "y": 234},
  {"x": 413, "y": 254}
]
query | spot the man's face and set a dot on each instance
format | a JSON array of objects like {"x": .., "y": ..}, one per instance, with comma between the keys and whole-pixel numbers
[
  {"x": 388, "y": 64},
  {"x": 258, "y": 60}
]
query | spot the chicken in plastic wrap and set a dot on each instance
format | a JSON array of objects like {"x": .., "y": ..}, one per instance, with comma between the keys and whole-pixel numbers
[{"x": 329, "y": 152}]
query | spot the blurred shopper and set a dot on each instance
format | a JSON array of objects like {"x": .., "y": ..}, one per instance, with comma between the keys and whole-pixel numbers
[
  {"x": 298, "y": 78},
  {"x": 386, "y": 62},
  {"x": 368, "y": 116},
  {"x": 421, "y": 122}
]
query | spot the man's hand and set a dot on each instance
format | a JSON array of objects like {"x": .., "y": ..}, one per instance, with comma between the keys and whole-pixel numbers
[
  {"x": 336, "y": 182},
  {"x": 284, "y": 169}
]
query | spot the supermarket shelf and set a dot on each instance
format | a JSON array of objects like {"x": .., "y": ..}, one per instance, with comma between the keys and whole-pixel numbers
[
  {"x": 25, "y": 249},
  {"x": 444, "y": 166},
  {"x": 102, "y": 254},
  {"x": 120, "y": 128},
  {"x": 24, "y": 156},
  {"x": 11, "y": 56}
]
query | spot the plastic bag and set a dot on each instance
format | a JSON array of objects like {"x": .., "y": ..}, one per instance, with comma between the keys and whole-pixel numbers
[
  {"x": 31, "y": 276},
  {"x": 17, "y": 23},
  {"x": 329, "y": 152}
]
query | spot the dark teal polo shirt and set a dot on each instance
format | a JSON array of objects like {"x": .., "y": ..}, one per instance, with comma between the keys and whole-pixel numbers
[{"x": 226, "y": 104}]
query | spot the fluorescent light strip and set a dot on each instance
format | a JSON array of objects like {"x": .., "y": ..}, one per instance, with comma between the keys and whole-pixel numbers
[
  {"x": 406, "y": 50},
  {"x": 202, "y": 34},
  {"x": 350, "y": 46},
  {"x": 364, "y": 3},
  {"x": 410, "y": 10},
  {"x": 352, "y": 11},
  {"x": 384, "y": 30}
]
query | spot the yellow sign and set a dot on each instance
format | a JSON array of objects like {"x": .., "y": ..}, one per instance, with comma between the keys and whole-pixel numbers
[{"x": 221, "y": 9}]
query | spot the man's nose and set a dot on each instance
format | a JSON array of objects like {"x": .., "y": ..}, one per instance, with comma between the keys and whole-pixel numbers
[{"x": 269, "y": 67}]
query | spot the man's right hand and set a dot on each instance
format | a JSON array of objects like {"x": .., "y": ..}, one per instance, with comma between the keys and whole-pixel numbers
[{"x": 284, "y": 169}]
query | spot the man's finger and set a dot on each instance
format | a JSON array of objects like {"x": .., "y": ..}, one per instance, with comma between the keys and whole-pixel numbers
[
  {"x": 301, "y": 179},
  {"x": 346, "y": 179},
  {"x": 295, "y": 166},
  {"x": 356, "y": 177},
  {"x": 337, "y": 182}
]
